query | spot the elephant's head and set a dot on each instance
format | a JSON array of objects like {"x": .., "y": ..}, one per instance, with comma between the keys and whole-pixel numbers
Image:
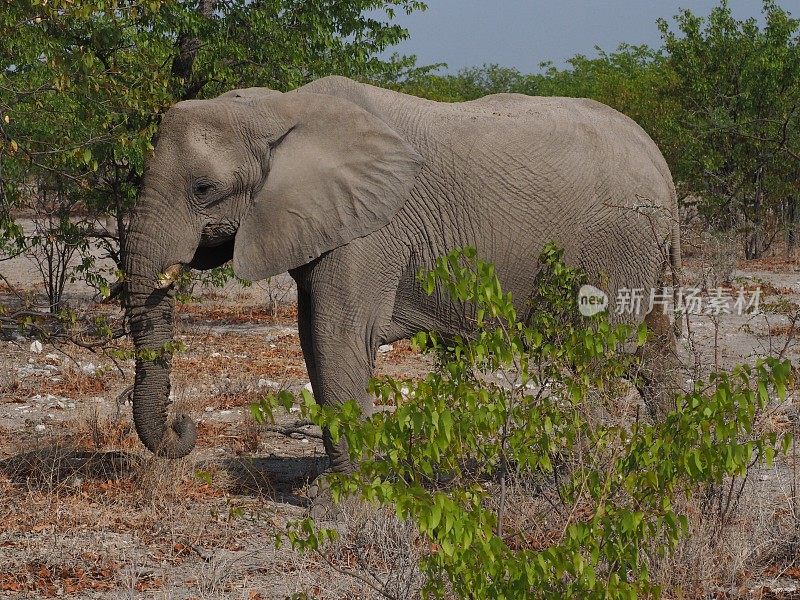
[{"x": 269, "y": 180}]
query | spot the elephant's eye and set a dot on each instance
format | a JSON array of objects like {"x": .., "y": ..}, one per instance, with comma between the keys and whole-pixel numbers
[{"x": 202, "y": 189}]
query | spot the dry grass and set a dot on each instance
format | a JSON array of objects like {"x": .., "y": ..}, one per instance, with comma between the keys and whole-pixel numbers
[
  {"x": 243, "y": 356},
  {"x": 75, "y": 383},
  {"x": 239, "y": 313}
]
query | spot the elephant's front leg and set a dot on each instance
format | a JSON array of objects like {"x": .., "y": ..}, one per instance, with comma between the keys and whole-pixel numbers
[{"x": 340, "y": 358}]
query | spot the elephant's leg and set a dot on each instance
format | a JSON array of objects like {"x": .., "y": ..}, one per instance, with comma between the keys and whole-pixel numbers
[
  {"x": 327, "y": 362},
  {"x": 340, "y": 358},
  {"x": 339, "y": 348},
  {"x": 659, "y": 369}
]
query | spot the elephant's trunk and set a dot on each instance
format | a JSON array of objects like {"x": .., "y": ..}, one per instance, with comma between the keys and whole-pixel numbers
[{"x": 152, "y": 246}]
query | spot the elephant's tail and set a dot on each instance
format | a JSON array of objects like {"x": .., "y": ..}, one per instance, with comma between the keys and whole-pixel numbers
[{"x": 676, "y": 265}]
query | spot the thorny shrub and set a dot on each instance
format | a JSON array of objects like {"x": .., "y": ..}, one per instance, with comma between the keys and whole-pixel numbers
[{"x": 444, "y": 458}]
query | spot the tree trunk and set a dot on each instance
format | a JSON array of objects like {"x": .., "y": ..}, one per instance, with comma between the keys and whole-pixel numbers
[
  {"x": 188, "y": 46},
  {"x": 792, "y": 223},
  {"x": 755, "y": 239}
]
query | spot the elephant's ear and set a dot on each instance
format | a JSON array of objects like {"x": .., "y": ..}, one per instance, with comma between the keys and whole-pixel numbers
[{"x": 335, "y": 173}]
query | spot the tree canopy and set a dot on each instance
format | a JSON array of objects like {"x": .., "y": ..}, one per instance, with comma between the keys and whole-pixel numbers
[{"x": 83, "y": 83}]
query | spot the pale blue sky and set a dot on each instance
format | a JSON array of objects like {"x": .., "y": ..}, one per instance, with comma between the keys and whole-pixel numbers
[{"x": 523, "y": 33}]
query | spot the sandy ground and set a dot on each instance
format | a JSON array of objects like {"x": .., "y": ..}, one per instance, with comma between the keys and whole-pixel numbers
[{"x": 128, "y": 525}]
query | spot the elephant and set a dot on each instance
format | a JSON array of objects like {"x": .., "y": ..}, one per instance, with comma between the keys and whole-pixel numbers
[{"x": 353, "y": 189}]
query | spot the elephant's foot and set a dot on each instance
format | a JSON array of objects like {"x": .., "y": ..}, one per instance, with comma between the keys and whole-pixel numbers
[{"x": 322, "y": 506}]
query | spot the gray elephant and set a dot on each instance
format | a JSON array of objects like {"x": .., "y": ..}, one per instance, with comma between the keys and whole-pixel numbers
[{"x": 353, "y": 189}]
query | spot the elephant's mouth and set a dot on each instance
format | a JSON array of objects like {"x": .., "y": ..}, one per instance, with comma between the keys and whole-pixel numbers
[
  {"x": 216, "y": 234},
  {"x": 213, "y": 251}
]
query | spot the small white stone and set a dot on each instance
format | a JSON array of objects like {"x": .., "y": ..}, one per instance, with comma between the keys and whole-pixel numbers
[
  {"x": 309, "y": 387},
  {"x": 268, "y": 383},
  {"x": 89, "y": 368},
  {"x": 404, "y": 390},
  {"x": 209, "y": 409},
  {"x": 215, "y": 354},
  {"x": 40, "y": 427},
  {"x": 384, "y": 348},
  {"x": 272, "y": 346},
  {"x": 36, "y": 347},
  {"x": 52, "y": 356},
  {"x": 294, "y": 409},
  {"x": 304, "y": 440}
]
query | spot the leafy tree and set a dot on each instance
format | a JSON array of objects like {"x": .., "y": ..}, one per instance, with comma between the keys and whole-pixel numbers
[
  {"x": 468, "y": 84},
  {"x": 737, "y": 88},
  {"x": 83, "y": 85}
]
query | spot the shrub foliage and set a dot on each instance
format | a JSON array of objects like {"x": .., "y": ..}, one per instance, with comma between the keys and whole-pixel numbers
[{"x": 531, "y": 404}]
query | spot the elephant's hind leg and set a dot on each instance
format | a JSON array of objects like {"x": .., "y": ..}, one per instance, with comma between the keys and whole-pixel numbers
[{"x": 658, "y": 371}]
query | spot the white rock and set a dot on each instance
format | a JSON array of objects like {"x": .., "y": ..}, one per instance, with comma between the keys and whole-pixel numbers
[
  {"x": 384, "y": 348},
  {"x": 40, "y": 427},
  {"x": 272, "y": 346},
  {"x": 294, "y": 409},
  {"x": 309, "y": 387},
  {"x": 268, "y": 383},
  {"x": 52, "y": 356},
  {"x": 304, "y": 440},
  {"x": 404, "y": 390},
  {"x": 36, "y": 347},
  {"x": 209, "y": 409},
  {"x": 89, "y": 368},
  {"x": 215, "y": 354}
]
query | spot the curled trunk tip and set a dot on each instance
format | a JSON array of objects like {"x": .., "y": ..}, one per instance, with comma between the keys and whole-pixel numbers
[{"x": 178, "y": 440}]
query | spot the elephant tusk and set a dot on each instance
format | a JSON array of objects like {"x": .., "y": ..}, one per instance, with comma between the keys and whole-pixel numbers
[{"x": 170, "y": 276}]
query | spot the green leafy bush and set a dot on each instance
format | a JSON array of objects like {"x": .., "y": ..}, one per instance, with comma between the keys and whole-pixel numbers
[{"x": 531, "y": 403}]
